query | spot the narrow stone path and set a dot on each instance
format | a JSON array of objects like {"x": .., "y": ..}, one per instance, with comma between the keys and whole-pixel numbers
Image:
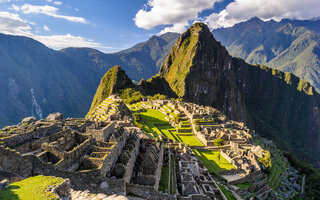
[{"x": 86, "y": 195}]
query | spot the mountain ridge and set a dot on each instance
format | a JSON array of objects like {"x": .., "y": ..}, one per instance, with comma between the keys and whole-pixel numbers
[
  {"x": 62, "y": 80},
  {"x": 289, "y": 45},
  {"x": 277, "y": 105}
]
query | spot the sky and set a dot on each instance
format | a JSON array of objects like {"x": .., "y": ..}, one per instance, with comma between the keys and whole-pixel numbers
[{"x": 114, "y": 25}]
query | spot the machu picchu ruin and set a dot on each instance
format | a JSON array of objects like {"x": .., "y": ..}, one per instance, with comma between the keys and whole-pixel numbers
[{"x": 158, "y": 149}]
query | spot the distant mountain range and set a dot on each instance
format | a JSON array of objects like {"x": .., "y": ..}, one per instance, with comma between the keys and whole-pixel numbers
[
  {"x": 140, "y": 61},
  {"x": 289, "y": 45},
  {"x": 36, "y": 80}
]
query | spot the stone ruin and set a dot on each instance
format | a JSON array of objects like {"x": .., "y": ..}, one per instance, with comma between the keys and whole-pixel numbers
[
  {"x": 147, "y": 168},
  {"x": 112, "y": 156},
  {"x": 97, "y": 156}
]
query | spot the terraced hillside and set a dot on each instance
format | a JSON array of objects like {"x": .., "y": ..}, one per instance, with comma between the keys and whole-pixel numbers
[{"x": 160, "y": 120}]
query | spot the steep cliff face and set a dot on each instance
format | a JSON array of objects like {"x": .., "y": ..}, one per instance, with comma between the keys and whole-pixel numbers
[
  {"x": 112, "y": 82},
  {"x": 199, "y": 70},
  {"x": 277, "y": 105}
]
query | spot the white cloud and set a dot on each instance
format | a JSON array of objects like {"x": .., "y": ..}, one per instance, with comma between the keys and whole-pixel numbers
[
  {"x": 68, "y": 40},
  {"x": 3, "y": 1},
  {"x": 47, "y": 10},
  {"x": 176, "y": 13},
  {"x": 242, "y": 10},
  {"x": 14, "y": 25},
  {"x": 58, "y": 3},
  {"x": 46, "y": 28}
]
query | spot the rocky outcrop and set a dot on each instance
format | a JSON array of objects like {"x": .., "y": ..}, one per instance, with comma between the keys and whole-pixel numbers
[
  {"x": 55, "y": 116},
  {"x": 156, "y": 85},
  {"x": 277, "y": 105},
  {"x": 28, "y": 120}
]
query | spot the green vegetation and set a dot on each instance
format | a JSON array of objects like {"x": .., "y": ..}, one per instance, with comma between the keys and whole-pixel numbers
[
  {"x": 189, "y": 140},
  {"x": 218, "y": 142},
  {"x": 130, "y": 95},
  {"x": 226, "y": 192},
  {"x": 109, "y": 85},
  {"x": 163, "y": 184},
  {"x": 312, "y": 187},
  {"x": 33, "y": 188},
  {"x": 243, "y": 185},
  {"x": 277, "y": 73},
  {"x": 288, "y": 78},
  {"x": 147, "y": 122},
  {"x": 154, "y": 122},
  {"x": 199, "y": 121},
  {"x": 305, "y": 86},
  {"x": 173, "y": 177},
  {"x": 213, "y": 161},
  {"x": 159, "y": 97},
  {"x": 181, "y": 55},
  {"x": 266, "y": 159}
]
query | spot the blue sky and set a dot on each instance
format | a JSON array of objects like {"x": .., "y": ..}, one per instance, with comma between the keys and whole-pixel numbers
[{"x": 113, "y": 25}]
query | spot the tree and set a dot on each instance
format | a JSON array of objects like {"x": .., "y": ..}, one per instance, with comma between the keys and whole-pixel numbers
[{"x": 218, "y": 142}]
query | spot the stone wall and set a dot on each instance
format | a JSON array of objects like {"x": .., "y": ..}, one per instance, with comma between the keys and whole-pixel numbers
[
  {"x": 130, "y": 164},
  {"x": 252, "y": 175},
  {"x": 102, "y": 134},
  {"x": 15, "y": 140},
  {"x": 112, "y": 157},
  {"x": 148, "y": 192},
  {"x": 71, "y": 156},
  {"x": 63, "y": 190},
  {"x": 158, "y": 173},
  {"x": 36, "y": 144},
  {"x": 230, "y": 160}
]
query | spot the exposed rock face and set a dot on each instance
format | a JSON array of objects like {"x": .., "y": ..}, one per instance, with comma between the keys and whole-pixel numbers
[
  {"x": 55, "y": 116},
  {"x": 277, "y": 105},
  {"x": 28, "y": 120},
  {"x": 199, "y": 70},
  {"x": 113, "y": 81}
]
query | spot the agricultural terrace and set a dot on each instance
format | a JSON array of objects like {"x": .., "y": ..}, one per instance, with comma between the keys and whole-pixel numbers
[
  {"x": 213, "y": 161},
  {"x": 155, "y": 122}
]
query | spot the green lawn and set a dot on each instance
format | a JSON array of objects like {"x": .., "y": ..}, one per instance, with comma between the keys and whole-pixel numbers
[
  {"x": 163, "y": 184},
  {"x": 152, "y": 117},
  {"x": 211, "y": 160},
  {"x": 167, "y": 132},
  {"x": 226, "y": 192},
  {"x": 190, "y": 140},
  {"x": 243, "y": 185},
  {"x": 173, "y": 177},
  {"x": 33, "y": 188}
]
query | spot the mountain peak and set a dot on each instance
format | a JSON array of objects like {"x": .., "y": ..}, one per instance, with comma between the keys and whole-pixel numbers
[
  {"x": 112, "y": 82},
  {"x": 255, "y": 19},
  {"x": 189, "y": 49}
]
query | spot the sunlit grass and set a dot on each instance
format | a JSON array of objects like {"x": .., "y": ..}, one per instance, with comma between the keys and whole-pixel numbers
[
  {"x": 33, "y": 188},
  {"x": 214, "y": 161}
]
